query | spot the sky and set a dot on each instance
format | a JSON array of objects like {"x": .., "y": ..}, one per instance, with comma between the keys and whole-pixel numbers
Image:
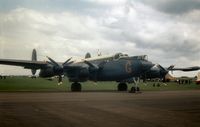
[{"x": 166, "y": 30}]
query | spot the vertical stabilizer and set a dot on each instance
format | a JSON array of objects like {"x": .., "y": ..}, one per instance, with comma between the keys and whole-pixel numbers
[
  {"x": 34, "y": 55},
  {"x": 88, "y": 55},
  {"x": 34, "y": 58}
]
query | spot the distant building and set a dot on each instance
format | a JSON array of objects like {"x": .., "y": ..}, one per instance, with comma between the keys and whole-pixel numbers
[
  {"x": 185, "y": 80},
  {"x": 2, "y": 77}
]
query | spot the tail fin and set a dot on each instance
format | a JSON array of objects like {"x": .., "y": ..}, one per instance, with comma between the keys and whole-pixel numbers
[
  {"x": 34, "y": 58},
  {"x": 34, "y": 55}
]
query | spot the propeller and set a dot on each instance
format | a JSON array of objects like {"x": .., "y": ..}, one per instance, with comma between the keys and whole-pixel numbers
[
  {"x": 59, "y": 68},
  {"x": 67, "y": 62},
  {"x": 171, "y": 68},
  {"x": 163, "y": 71},
  {"x": 53, "y": 62},
  {"x": 93, "y": 68},
  {"x": 91, "y": 65}
]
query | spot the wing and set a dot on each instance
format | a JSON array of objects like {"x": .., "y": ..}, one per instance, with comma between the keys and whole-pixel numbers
[
  {"x": 185, "y": 69},
  {"x": 28, "y": 64}
]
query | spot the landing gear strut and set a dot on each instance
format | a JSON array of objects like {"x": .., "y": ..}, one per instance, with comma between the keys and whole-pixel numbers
[
  {"x": 136, "y": 88},
  {"x": 122, "y": 87},
  {"x": 76, "y": 87}
]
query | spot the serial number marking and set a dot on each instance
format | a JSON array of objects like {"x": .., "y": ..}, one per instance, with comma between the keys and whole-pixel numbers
[{"x": 128, "y": 68}]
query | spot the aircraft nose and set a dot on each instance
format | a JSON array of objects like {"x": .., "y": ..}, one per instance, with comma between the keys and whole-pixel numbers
[{"x": 147, "y": 65}]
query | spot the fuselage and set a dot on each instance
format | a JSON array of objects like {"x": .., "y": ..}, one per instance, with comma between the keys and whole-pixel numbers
[{"x": 115, "y": 68}]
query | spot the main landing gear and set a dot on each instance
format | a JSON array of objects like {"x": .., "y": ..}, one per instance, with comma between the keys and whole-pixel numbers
[
  {"x": 135, "y": 88},
  {"x": 76, "y": 87},
  {"x": 122, "y": 87}
]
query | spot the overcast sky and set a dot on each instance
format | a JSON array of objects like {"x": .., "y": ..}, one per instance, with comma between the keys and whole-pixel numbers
[{"x": 166, "y": 30}]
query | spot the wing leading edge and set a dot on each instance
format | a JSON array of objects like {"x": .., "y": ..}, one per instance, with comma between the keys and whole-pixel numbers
[
  {"x": 28, "y": 64},
  {"x": 195, "y": 68}
]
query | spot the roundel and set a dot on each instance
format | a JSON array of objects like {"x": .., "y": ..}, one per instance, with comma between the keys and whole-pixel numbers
[{"x": 128, "y": 68}]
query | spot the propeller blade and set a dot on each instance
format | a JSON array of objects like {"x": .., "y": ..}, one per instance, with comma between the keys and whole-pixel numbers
[
  {"x": 67, "y": 61},
  {"x": 171, "y": 67},
  {"x": 50, "y": 63},
  {"x": 91, "y": 65},
  {"x": 161, "y": 67},
  {"x": 54, "y": 62}
]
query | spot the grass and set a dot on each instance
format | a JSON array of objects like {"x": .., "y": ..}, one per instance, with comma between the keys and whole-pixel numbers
[{"x": 39, "y": 84}]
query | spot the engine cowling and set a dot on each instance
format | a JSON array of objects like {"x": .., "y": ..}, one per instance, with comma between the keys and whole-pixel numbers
[
  {"x": 78, "y": 74},
  {"x": 51, "y": 71}
]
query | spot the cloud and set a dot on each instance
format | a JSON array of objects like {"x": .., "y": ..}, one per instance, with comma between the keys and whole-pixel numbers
[
  {"x": 174, "y": 6},
  {"x": 133, "y": 27}
]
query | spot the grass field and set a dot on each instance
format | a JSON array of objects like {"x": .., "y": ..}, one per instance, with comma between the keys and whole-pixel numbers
[{"x": 39, "y": 84}]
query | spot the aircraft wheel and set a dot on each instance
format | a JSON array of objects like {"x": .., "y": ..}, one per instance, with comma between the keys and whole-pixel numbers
[
  {"x": 122, "y": 87},
  {"x": 76, "y": 87},
  {"x": 133, "y": 90},
  {"x": 137, "y": 88}
]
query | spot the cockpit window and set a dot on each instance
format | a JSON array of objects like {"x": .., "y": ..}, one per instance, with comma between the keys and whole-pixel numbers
[
  {"x": 143, "y": 57},
  {"x": 119, "y": 55}
]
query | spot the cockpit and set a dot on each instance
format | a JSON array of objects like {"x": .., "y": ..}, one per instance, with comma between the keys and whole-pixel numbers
[
  {"x": 119, "y": 55},
  {"x": 142, "y": 57}
]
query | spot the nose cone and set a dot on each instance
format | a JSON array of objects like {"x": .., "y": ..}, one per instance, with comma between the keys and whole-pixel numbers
[
  {"x": 146, "y": 65},
  {"x": 160, "y": 70},
  {"x": 163, "y": 73}
]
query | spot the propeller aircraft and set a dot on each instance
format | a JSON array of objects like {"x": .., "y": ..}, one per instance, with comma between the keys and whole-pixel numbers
[{"x": 118, "y": 67}]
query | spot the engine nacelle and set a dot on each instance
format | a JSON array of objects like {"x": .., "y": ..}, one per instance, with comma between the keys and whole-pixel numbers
[
  {"x": 78, "y": 75},
  {"x": 51, "y": 71}
]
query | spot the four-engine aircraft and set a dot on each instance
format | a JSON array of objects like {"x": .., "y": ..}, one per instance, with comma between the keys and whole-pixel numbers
[{"x": 119, "y": 67}]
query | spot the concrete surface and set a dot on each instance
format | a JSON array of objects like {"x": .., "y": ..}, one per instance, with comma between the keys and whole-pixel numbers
[{"x": 100, "y": 109}]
